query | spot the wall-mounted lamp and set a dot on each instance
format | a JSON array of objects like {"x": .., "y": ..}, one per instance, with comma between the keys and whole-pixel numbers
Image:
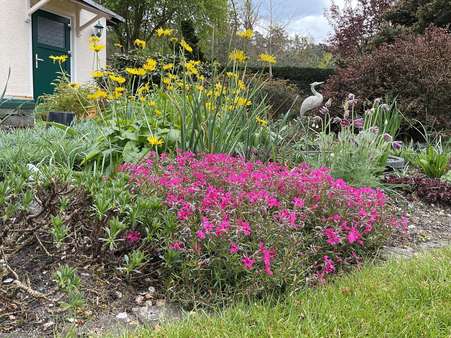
[{"x": 98, "y": 29}]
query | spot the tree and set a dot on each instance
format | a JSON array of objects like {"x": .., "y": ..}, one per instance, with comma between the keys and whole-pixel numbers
[{"x": 144, "y": 17}]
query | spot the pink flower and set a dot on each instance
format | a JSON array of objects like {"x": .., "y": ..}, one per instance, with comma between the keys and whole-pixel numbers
[
  {"x": 133, "y": 237},
  {"x": 298, "y": 202},
  {"x": 329, "y": 265},
  {"x": 268, "y": 254},
  {"x": 353, "y": 235},
  {"x": 332, "y": 236},
  {"x": 245, "y": 227},
  {"x": 177, "y": 246},
  {"x": 200, "y": 234},
  {"x": 234, "y": 248},
  {"x": 248, "y": 263}
]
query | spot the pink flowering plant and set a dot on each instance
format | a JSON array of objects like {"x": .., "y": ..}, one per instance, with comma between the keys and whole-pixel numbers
[{"x": 251, "y": 228}]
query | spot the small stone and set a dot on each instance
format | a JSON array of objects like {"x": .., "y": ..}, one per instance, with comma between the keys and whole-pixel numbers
[
  {"x": 122, "y": 316},
  {"x": 160, "y": 302},
  {"x": 11, "y": 317},
  {"x": 118, "y": 294},
  {"x": 148, "y": 303},
  {"x": 139, "y": 300},
  {"x": 48, "y": 324},
  {"x": 8, "y": 281},
  {"x": 148, "y": 295},
  {"x": 151, "y": 289}
]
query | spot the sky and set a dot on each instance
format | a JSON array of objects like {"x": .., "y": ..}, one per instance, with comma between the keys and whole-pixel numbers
[{"x": 304, "y": 17}]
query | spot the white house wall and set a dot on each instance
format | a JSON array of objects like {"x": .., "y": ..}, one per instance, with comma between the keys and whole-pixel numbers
[{"x": 16, "y": 45}]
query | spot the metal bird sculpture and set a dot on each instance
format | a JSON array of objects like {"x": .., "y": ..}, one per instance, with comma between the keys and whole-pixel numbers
[{"x": 314, "y": 101}]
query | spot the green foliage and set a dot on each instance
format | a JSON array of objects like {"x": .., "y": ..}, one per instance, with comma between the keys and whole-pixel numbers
[
  {"x": 59, "y": 230},
  {"x": 387, "y": 118},
  {"x": 66, "y": 278},
  {"x": 134, "y": 261},
  {"x": 433, "y": 162}
]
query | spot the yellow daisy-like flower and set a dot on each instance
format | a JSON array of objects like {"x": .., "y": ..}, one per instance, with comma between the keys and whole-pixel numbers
[
  {"x": 94, "y": 39},
  {"x": 200, "y": 88},
  {"x": 191, "y": 67},
  {"x": 261, "y": 121},
  {"x": 247, "y": 34},
  {"x": 241, "y": 85},
  {"x": 74, "y": 85},
  {"x": 136, "y": 71},
  {"x": 152, "y": 103},
  {"x": 155, "y": 141},
  {"x": 144, "y": 89},
  {"x": 232, "y": 75},
  {"x": 96, "y": 47},
  {"x": 117, "y": 78},
  {"x": 158, "y": 112},
  {"x": 118, "y": 45},
  {"x": 59, "y": 58},
  {"x": 242, "y": 102},
  {"x": 97, "y": 74},
  {"x": 165, "y": 32},
  {"x": 150, "y": 65},
  {"x": 169, "y": 66},
  {"x": 268, "y": 58},
  {"x": 186, "y": 46},
  {"x": 237, "y": 56},
  {"x": 98, "y": 95},
  {"x": 140, "y": 43}
]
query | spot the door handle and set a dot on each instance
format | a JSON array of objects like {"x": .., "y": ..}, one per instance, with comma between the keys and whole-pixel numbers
[{"x": 37, "y": 60}]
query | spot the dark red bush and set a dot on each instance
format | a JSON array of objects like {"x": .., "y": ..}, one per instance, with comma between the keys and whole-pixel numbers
[
  {"x": 430, "y": 190},
  {"x": 416, "y": 69}
]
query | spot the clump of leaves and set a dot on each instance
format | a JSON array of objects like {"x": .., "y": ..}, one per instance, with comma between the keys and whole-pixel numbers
[
  {"x": 66, "y": 278},
  {"x": 433, "y": 162},
  {"x": 134, "y": 261},
  {"x": 59, "y": 230},
  {"x": 113, "y": 232}
]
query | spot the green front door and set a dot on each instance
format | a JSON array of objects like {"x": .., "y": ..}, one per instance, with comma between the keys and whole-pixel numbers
[{"x": 51, "y": 36}]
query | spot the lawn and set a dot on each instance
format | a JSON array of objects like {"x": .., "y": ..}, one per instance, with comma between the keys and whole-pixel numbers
[{"x": 405, "y": 298}]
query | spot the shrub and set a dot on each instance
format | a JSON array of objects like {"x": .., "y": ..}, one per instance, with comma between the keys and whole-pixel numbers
[
  {"x": 302, "y": 77},
  {"x": 282, "y": 96},
  {"x": 67, "y": 97},
  {"x": 415, "y": 69},
  {"x": 249, "y": 228}
]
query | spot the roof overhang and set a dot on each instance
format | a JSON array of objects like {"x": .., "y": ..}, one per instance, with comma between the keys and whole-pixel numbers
[{"x": 100, "y": 10}]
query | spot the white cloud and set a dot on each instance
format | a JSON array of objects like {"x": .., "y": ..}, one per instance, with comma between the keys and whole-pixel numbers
[{"x": 314, "y": 26}]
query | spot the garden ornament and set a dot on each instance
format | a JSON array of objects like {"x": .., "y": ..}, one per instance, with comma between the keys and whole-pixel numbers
[{"x": 314, "y": 101}]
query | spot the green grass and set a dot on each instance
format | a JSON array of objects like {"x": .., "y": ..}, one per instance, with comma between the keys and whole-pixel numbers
[{"x": 405, "y": 298}]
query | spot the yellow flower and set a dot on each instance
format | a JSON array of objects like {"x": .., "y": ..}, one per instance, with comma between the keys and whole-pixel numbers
[
  {"x": 59, "y": 58},
  {"x": 166, "y": 32},
  {"x": 96, "y": 47},
  {"x": 261, "y": 121},
  {"x": 74, "y": 85},
  {"x": 186, "y": 46},
  {"x": 97, "y": 73},
  {"x": 191, "y": 67},
  {"x": 152, "y": 103},
  {"x": 247, "y": 34},
  {"x": 267, "y": 58},
  {"x": 118, "y": 45},
  {"x": 209, "y": 106},
  {"x": 241, "y": 85},
  {"x": 119, "y": 90},
  {"x": 150, "y": 65},
  {"x": 242, "y": 102},
  {"x": 169, "y": 66},
  {"x": 140, "y": 43},
  {"x": 117, "y": 78},
  {"x": 94, "y": 39},
  {"x": 167, "y": 81},
  {"x": 200, "y": 88},
  {"x": 237, "y": 56},
  {"x": 157, "y": 112},
  {"x": 143, "y": 89},
  {"x": 155, "y": 141},
  {"x": 136, "y": 71},
  {"x": 98, "y": 95},
  {"x": 232, "y": 75}
]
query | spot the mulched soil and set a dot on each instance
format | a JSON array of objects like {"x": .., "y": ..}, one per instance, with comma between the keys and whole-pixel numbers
[{"x": 30, "y": 302}]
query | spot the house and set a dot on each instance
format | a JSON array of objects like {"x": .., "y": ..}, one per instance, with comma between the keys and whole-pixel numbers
[{"x": 33, "y": 30}]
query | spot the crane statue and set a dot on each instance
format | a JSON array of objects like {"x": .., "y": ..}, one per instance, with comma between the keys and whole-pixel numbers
[{"x": 314, "y": 101}]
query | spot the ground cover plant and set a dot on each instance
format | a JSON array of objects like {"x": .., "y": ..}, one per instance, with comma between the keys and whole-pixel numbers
[{"x": 250, "y": 227}]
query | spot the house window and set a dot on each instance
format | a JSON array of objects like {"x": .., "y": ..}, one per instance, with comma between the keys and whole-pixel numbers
[{"x": 51, "y": 33}]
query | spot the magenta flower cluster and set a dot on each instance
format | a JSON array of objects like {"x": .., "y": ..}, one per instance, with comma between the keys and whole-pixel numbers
[{"x": 253, "y": 213}]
